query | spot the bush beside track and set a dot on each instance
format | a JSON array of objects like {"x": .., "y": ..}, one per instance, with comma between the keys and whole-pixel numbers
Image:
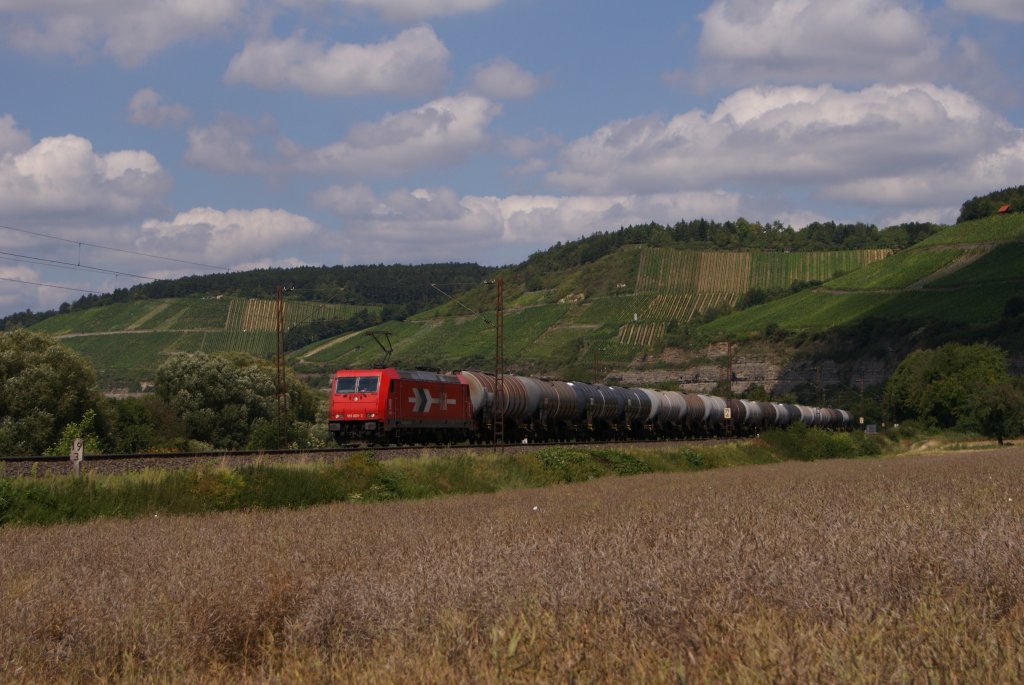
[{"x": 361, "y": 477}]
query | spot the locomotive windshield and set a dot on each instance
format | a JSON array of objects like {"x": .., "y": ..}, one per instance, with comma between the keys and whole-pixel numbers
[{"x": 356, "y": 384}]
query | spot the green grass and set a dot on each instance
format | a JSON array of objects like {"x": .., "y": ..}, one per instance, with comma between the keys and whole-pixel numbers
[
  {"x": 127, "y": 342},
  {"x": 804, "y": 310},
  {"x": 974, "y": 304},
  {"x": 142, "y": 352},
  {"x": 778, "y": 271},
  {"x": 898, "y": 271},
  {"x": 993, "y": 229},
  {"x": 184, "y": 314},
  {"x": 98, "y": 319},
  {"x": 188, "y": 314},
  {"x": 450, "y": 342},
  {"x": 1004, "y": 263},
  {"x": 813, "y": 309},
  {"x": 57, "y": 499},
  {"x": 608, "y": 310}
]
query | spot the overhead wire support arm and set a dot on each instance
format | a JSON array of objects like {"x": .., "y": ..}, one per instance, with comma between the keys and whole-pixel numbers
[{"x": 388, "y": 349}]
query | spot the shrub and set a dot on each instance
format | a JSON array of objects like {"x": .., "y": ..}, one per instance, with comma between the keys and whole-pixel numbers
[
  {"x": 85, "y": 429},
  {"x": 569, "y": 463},
  {"x": 806, "y": 444},
  {"x": 621, "y": 463}
]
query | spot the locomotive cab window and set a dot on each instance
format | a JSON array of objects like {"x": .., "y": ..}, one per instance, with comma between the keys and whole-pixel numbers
[{"x": 356, "y": 384}]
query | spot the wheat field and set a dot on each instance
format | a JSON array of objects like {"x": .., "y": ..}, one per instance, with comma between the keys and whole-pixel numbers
[{"x": 906, "y": 569}]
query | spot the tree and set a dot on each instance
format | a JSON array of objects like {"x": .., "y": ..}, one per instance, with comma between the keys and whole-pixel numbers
[
  {"x": 44, "y": 386},
  {"x": 956, "y": 386},
  {"x": 221, "y": 397},
  {"x": 999, "y": 412},
  {"x": 979, "y": 207}
]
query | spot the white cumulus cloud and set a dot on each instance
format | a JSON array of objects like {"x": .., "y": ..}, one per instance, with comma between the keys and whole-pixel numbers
[
  {"x": 503, "y": 79},
  {"x": 63, "y": 175},
  {"x": 129, "y": 32},
  {"x": 1006, "y": 10},
  {"x": 838, "y": 143},
  {"x": 234, "y": 237},
  {"x": 231, "y": 145},
  {"x": 440, "y": 132},
  {"x": 415, "y": 10},
  {"x": 147, "y": 108},
  {"x": 809, "y": 40},
  {"x": 12, "y": 139},
  {"x": 414, "y": 62}
]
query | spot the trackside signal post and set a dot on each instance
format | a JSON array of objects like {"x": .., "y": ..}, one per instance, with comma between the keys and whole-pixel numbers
[{"x": 77, "y": 455}]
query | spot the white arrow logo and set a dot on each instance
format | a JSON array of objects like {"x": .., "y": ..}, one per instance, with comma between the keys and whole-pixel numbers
[{"x": 421, "y": 400}]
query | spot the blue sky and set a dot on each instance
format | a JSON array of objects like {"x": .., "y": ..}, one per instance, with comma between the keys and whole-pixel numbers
[{"x": 255, "y": 133}]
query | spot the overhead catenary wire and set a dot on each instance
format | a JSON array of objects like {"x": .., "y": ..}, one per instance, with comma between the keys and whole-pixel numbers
[
  {"x": 50, "y": 285},
  {"x": 461, "y": 304},
  {"x": 13, "y": 256},
  {"x": 116, "y": 249}
]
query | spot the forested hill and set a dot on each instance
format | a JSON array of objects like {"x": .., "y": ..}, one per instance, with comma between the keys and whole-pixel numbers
[
  {"x": 401, "y": 289},
  {"x": 404, "y": 289},
  {"x": 702, "y": 234}
]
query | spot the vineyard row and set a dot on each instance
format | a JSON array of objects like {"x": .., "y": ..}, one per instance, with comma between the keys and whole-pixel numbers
[{"x": 674, "y": 271}]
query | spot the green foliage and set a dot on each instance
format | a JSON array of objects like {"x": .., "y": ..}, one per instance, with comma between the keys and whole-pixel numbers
[
  {"x": 804, "y": 310},
  {"x": 43, "y": 387},
  {"x": 569, "y": 463},
  {"x": 1014, "y": 307},
  {"x": 801, "y": 443},
  {"x": 85, "y": 429},
  {"x": 690, "y": 457},
  {"x": 1002, "y": 263},
  {"x": 621, "y": 463},
  {"x": 405, "y": 289},
  {"x": 221, "y": 397},
  {"x": 998, "y": 412},
  {"x": 140, "y": 424},
  {"x": 963, "y": 386},
  {"x": 310, "y": 332},
  {"x": 752, "y": 298},
  {"x": 983, "y": 206},
  {"x": 898, "y": 271},
  {"x": 993, "y": 229}
]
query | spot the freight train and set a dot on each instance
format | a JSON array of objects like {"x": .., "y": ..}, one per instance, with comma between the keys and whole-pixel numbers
[{"x": 392, "y": 406}]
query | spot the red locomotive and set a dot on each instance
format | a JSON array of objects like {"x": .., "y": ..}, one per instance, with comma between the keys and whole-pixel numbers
[{"x": 389, "y": 405}]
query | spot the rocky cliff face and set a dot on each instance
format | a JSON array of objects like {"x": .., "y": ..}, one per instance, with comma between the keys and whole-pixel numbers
[{"x": 775, "y": 368}]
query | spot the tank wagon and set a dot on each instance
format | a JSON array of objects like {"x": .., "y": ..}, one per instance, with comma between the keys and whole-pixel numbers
[{"x": 395, "y": 406}]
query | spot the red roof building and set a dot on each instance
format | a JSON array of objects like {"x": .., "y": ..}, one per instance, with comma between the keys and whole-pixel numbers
[{"x": 1003, "y": 210}]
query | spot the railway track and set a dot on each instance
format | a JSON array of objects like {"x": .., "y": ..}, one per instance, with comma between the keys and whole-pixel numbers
[{"x": 40, "y": 465}]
